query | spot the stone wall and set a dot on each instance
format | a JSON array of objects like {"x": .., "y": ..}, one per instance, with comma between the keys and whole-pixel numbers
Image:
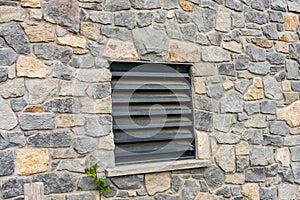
[{"x": 55, "y": 94}]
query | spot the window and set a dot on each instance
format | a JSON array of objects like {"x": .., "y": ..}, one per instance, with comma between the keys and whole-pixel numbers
[{"x": 152, "y": 112}]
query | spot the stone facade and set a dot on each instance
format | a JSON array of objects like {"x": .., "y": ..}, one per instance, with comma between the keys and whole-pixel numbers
[{"x": 55, "y": 94}]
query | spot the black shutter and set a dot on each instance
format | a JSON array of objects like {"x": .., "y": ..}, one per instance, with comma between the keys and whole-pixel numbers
[{"x": 152, "y": 112}]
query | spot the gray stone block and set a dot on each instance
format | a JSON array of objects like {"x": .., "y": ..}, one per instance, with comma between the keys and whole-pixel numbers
[
  {"x": 215, "y": 91},
  {"x": 145, "y": 4},
  {"x": 85, "y": 61},
  {"x": 58, "y": 138},
  {"x": 128, "y": 182},
  {"x": 278, "y": 5},
  {"x": 144, "y": 19},
  {"x": 61, "y": 71},
  {"x": 7, "y": 56},
  {"x": 85, "y": 145},
  {"x": 81, "y": 196},
  {"x": 12, "y": 187},
  {"x": 253, "y": 16},
  {"x": 276, "y": 58},
  {"x": 204, "y": 121},
  {"x": 234, "y": 4},
  {"x": 112, "y": 5},
  {"x": 125, "y": 19},
  {"x": 226, "y": 69},
  {"x": 253, "y": 136},
  {"x": 190, "y": 190},
  {"x": 273, "y": 141},
  {"x": 35, "y": 121},
  {"x": 279, "y": 128},
  {"x": 268, "y": 193},
  {"x": 261, "y": 156},
  {"x": 242, "y": 162},
  {"x": 296, "y": 86},
  {"x": 53, "y": 52},
  {"x": 252, "y": 108},
  {"x": 232, "y": 102},
  {"x": 295, "y": 153},
  {"x": 11, "y": 139},
  {"x": 268, "y": 107},
  {"x": 255, "y": 54},
  {"x": 276, "y": 17},
  {"x": 3, "y": 74},
  {"x": 293, "y": 70},
  {"x": 6, "y": 162},
  {"x": 63, "y": 105},
  {"x": 214, "y": 176},
  {"x": 204, "y": 19},
  {"x": 261, "y": 5}
]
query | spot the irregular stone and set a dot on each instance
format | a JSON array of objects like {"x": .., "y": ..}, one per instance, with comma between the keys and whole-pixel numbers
[
  {"x": 63, "y": 13},
  {"x": 190, "y": 190},
  {"x": 256, "y": 121},
  {"x": 295, "y": 86},
  {"x": 162, "y": 197},
  {"x": 12, "y": 187},
  {"x": 90, "y": 30},
  {"x": 93, "y": 75},
  {"x": 199, "y": 85},
  {"x": 255, "y": 91},
  {"x": 261, "y": 156},
  {"x": 63, "y": 153},
  {"x": 283, "y": 157},
  {"x": 189, "y": 32},
  {"x": 273, "y": 140},
  {"x": 234, "y": 5},
  {"x": 86, "y": 183},
  {"x": 96, "y": 106},
  {"x": 144, "y": 4},
  {"x": 73, "y": 88},
  {"x": 262, "y": 42},
  {"x": 72, "y": 41},
  {"x": 40, "y": 90},
  {"x": 253, "y": 16},
  {"x": 125, "y": 19},
  {"x": 120, "y": 50},
  {"x": 242, "y": 162},
  {"x": 255, "y": 175},
  {"x": 12, "y": 88},
  {"x": 286, "y": 191},
  {"x": 242, "y": 148},
  {"x": 7, "y": 56},
  {"x": 58, "y": 138},
  {"x": 158, "y": 182},
  {"x": 232, "y": 102},
  {"x": 101, "y": 17},
  {"x": 56, "y": 182},
  {"x": 85, "y": 61},
  {"x": 203, "y": 145},
  {"x": 172, "y": 29},
  {"x": 204, "y": 19},
  {"x": 98, "y": 126},
  {"x": 268, "y": 193},
  {"x": 294, "y": 51},
  {"x": 105, "y": 159},
  {"x": 144, "y": 19},
  {"x": 293, "y": 70},
  {"x": 9, "y": 13},
  {"x": 128, "y": 182},
  {"x": 75, "y": 165},
  {"x": 296, "y": 171},
  {"x": 81, "y": 196},
  {"x": 279, "y": 128},
  {"x": 259, "y": 68},
  {"x": 31, "y": 67},
  {"x": 291, "y": 21},
  {"x": 149, "y": 49},
  {"x": 237, "y": 20},
  {"x": 7, "y": 117},
  {"x": 272, "y": 88},
  {"x": 253, "y": 136},
  {"x": 276, "y": 58},
  {"x": 11, "y": 139},
  {"x": 295, "y": 153},
  {"x": 176, "y": 183},
  {"x": 213, "y": 176},
  {"x": 289, "y": 114},
  {"x": 223, "y": 19},
  {"x": 37, "y": 32},
  {"x": 260, "y": 5},
  {"x": 63, "y": 105},
  {"x": 278, "y": 5},
  {"x": 251, "y": 191},
  {"x": 256, "y": 54},
  {"x": 32, "y": 161},
  {"x": 99, "y": 91},
  {"x": 238, "y": 179},
  {"x": 53, "y": 52},
  {"x": 61, "y": 71},
  {"x": 232, "y": 46},
  {"x": 215, "y": 54},
  {"x": 225, "y": 158},
  {"x": 204, "y": 121},
  {"x": 224, "y": 122},
  {"x": 31, "y": 3},
  {"x": 215, "y": 91},
  {"x": 85, "y": 144},
  {"x": 116, "y": 32},
  {"x": 270, "y": 31},
  {"x": 6, "y": 162}
]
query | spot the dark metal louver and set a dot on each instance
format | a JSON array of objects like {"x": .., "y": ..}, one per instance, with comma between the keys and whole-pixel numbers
[{"x": 152, "y": 112}]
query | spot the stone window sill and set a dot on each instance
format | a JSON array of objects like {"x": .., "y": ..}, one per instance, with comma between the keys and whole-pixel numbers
[{"x": 156, "y": 167}]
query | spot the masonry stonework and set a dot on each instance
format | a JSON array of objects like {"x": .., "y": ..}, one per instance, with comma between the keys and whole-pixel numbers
[{"x": 55, "y": 94}]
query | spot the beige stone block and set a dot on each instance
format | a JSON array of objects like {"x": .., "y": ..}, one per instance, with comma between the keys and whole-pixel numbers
[
  {"x": 63, "y": 153},
  {"x": 262, "y": 42},
  {"x": 120, "y": 50},
  {"x": 35, "y": 14},
  {"x": 256, "y": 121},
  {"x": 32, "y": 161},
  {"x": 282, "y": 47},
  {"x": 8, "y": 118},
  {"x": 204, "y": 69},
  {"x": 228, "y": 85},
  {"x": 225, "y": 158},
  {"x": 251, "y": 191},
  {"x": 170, "y": 14},
  {"x": 202, "y": 145},
  {"x": 206, "y": 196},
  {"x": 290, "y": 97},
  {"x": 199, "y": 85},
  {"x": 97, "y": 106},
  {"x": 233, "y": 46},
  {"x": 243, "y": 148},
  {"x": 158, "y": 182},
  {"x": 237, "y": 179},
  {"x": 245, "y": 74},
  {"x": 31, "y": 3},
  {"x": 131, "y": 193},
  {"x": 72, "y": 88},
  {"x": 31, "y": 67},
  {"x": 93, "y": 75},
  {"x": 288, "y": 37},
  {"x": 90, "y": 30},
  {"x": 107, "y": 142},
  {"x": 9, "y": 13},
  {"x": 283, "y": 156},
  {"x": 34, "y": 108},
  {"x": 223, "y": 19},
  {"x": 286, "y": 85},
  {"x": 290, "y": 114},
  {"x": 255, "y": 91},
  {"x": 72, "y": 41},
  {"x": 291, "y": 21},
  {"x": 186, "y": 5},
  {"x": 39, "y": 32},
  {"x": 182, "y": 52},
  {"x": 69, "y": 120}
]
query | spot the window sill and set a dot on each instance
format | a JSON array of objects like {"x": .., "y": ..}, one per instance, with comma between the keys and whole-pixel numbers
[{"x": 156, "y": 167}]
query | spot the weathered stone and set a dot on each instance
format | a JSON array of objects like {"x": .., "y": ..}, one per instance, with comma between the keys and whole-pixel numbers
[
  {"x": 234, "y": 5},
  {"x": 31, "y": 67},
  {"x": 283, "y": 157},
  {"x": 12, "y": 88},
  {"x": 81, "y": 196},
  {"x": 176, "y": 183},
  {"x": 53, "y": 52},
  {"x": 223, "y": 19},
  {"x": 256, "y": 121},
  {"x": 242, "y": 162},
  {"x": 215, "y": 54},
  {"x": 270, "y": 32},
  {"x": 214, "y": 176},
  {"x": 294, "y": 51},
  {"x": 85, "y": 61},
  {"x": 128, "y": 182},
  {"x": 158, "y": 182},
  {"x": 96, "y": 106},
  {"x": 287, "y": 37},
  {"x": 204, "y": 18},
  {"x": 182, "y": 17},
  {"x": 279, "y": 128},
  {"x": 40, "y": 90},
  {"x": 32, "y": 161},
  {"x": 251, "y": 191},
  {"x": 235, "y": 179},
  {"x": 186, "y": 5},
  {"x": 73, "y": 88},
  {"x": 295, "y": 153},
  {"x": 120, "y": 50},
  {"x": 101, "y": 17},
  {"x": 204, "y": 121},
  {"x": 286, "y": 191},
  {"x": 189, "y": 32},
  {"x": 61, "y": 71},
  {"x": 85, "y": 144},
  {"x": 37, "y": 32},
  {"x": 203, "y": 145},
  {"x": 276, "y": 58},
  {"x": 278, "y": 5},
  {"x": 7, "y": 56},
  {"x": 242, "y": 148},
  {"x": 93, "y": 75},
  {"x": 148, "y": 49},
  {"x": 11, "y": 139},
  {"x": 215, "y": 91},
  {"x": 6, "y": 162},
  {"x": 261, "y": 156},
  {"x": 63, "y": 105},
  {"x": 125, "y": 19},
  {"x": 293, "y": 70},
  {"x": 295, "y": 86},
  {"x": 63, "y": 13},
  {"x": 72, "y": 41},
  {"x": 190, "y": 190},
  {"x": 105, "y": 159},
  {"x": 296, "y": 171},
  {"x": 116, "y": 32},
  {"x": 273, "y": 140},
  {"x": 259, "y": 68},
  {"x": 225, "y": 158},
  {"x": 204, "y": 196},
  {"x": 31, "y": 3},
  {"x": 290, "y": 114},
  {"x": 199, "y": 85},
  {"x": 256, "y": 54},
  {"x": 144, "y": 4},
  {"x": 255, "y": 175},
  {"x": 253, "y": 16},
  {"x": 9, "y": 13},
  {"x": 242, "y": 85},
  {"x": 12, "y": 187},
  {"x": 63, "y": 153},
  {"x": 161, "y": 197},
  {"x": 144, "y": 19},
  {"x": 223, "y": 122},
  {"x": 253, "y": 136},
  {"x": 7, "y": 116},
  {"x": 172, "y": 29},
  {"x": 15, "y": 37},
  {"x": 98, "y": 126},
  {"x": 291, "y": 21},
  {"x": 268, "y": 193},
  {"x": 56, "y": 182},
  {"x": 262, "y": 42},
  {"x": 86, "y": 183},
  {"x": 232, "y": 46},
  {"x": 90, "y": 30},
  {"x": 255, "y": 91},
  {"x": 260, "y": 5},
  {"x": 74, "y": 165},
  {"x": 252, "y": 108},
  {"x": 99, "y": 91},
  {"x": 183, "y": 52},
  {"x": 232, "y": 102},
  {"x": 237, "y": 20},
  {"x": 58, "y": 138},
  {"x": 272, "y": 88}
]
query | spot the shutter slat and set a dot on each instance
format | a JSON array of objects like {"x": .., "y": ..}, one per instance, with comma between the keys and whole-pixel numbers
[
  {"x": 125, "y": 86},
  {"x": 149, "y": 74},
  {"x": 151, "y": 99}
]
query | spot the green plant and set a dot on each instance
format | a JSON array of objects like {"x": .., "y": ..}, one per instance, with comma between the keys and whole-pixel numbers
[{"x": 101, "y": 182}]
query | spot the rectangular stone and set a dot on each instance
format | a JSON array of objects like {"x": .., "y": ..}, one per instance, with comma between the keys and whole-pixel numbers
[
  {"x": 12, "y": 14},
  {"x": 292, "y": 140},
  {"x": 37, "y": 121}
]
